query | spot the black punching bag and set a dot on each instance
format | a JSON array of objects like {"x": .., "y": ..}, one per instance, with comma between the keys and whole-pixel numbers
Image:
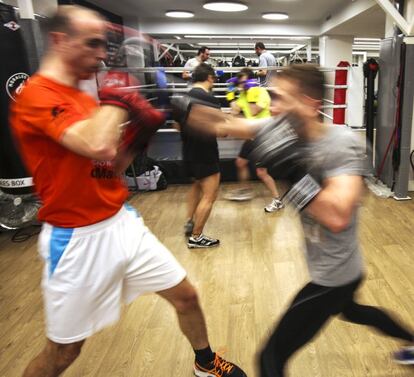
[
  {"x": 13, "y": 73},
  {"x": 18, "y": 204}
]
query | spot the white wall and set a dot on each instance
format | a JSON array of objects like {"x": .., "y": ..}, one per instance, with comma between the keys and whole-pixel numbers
[
  {"x": 333, "y": 49},
  {"x": 42, "y": 7}
]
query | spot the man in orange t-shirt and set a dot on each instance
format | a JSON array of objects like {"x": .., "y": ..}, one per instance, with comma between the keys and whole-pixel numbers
[{"x": 97, "y": 251}]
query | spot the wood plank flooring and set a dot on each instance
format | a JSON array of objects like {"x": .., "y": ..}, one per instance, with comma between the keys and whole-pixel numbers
[{"x": 244, "y": 285}]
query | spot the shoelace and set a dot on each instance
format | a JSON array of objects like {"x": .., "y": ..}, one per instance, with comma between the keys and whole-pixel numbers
[
  {"x": 208, "y": 238},
  {"x": 222, "y": 366}
]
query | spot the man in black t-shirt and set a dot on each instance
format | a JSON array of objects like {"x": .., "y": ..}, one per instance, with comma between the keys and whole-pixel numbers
[{"x": 201, "y": 158}]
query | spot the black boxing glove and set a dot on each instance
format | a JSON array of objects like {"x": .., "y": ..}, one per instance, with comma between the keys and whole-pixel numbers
[
  {"x": 181, "y": 107},
  {"x": 278, "y": 147}
]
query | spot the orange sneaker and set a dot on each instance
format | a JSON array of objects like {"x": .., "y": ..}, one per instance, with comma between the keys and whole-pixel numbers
[{"x": 218, "y": 368}]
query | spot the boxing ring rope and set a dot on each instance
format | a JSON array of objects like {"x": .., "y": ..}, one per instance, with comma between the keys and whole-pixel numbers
[{"x": 178, "y": 89}]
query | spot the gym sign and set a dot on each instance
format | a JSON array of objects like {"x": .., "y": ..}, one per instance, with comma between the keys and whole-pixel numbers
[
  {"x": 16, "y": 182},
  {"x": 15, "y": 84}
]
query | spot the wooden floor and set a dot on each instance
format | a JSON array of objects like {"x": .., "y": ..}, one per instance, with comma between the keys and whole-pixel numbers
[{"x": 244, "y": 286}]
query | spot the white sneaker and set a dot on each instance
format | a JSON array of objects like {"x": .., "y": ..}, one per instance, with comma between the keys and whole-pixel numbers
[
  {"x": 202, "y": 242},
  {"x": 275, "y": 205}
]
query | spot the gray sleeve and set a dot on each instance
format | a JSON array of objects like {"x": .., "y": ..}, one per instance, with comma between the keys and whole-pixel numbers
[
  {"x": 347, "y": 157},
  {"x": 262, "y": 61}
]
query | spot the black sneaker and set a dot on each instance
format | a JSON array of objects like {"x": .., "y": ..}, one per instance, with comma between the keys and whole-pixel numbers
[
  {"x": 202, "y": 241},
  {"x": 405, "y": 356},
  {"x": 218, "y": 368},
  {"x": 188, "y": 228}
]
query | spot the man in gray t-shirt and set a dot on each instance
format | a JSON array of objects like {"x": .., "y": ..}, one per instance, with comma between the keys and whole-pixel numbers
[
  {"x": 333, "y": 258},
  {"x": 326, "y": 186},
  {"x": 266, "y": 59},
  {"x": 324, "y": 166}
]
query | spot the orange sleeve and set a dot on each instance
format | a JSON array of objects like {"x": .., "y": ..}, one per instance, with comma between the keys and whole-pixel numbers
[{"x": 49, "y": 111}]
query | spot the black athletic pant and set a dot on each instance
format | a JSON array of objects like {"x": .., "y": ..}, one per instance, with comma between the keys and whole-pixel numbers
[{"x": 309, "y": 311}]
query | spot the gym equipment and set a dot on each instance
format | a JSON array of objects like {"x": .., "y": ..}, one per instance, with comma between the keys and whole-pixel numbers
[
  {"x": 371, "y": 68},
  {"x": 341, "y": 78},
  {"x": 18, "y": 205}
]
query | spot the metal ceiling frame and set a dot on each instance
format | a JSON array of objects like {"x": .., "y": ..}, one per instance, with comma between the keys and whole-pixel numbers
[{"x": 406, "y": 26}]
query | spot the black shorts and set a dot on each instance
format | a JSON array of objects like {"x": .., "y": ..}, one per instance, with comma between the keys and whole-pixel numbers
[
  {"x": 200, "y": 170},
  {"x": 246, "y": 149}
]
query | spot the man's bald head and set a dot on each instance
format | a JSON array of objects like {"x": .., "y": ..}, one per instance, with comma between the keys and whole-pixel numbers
[
  {"x": 67, "y": 18},
  {"x": 77, "y": 38}
]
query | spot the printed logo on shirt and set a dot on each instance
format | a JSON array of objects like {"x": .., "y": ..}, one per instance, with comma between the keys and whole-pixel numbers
[
  {"x": 103, "y": 170},
  {"x": 56, "y": 111},
  {"x": 13, "y": 26},
  {"x": 15, "y": 84}
]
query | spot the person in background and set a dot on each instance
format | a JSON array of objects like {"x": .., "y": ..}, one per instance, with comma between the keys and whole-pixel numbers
[
  {"x": 253, "y": 101},
  {"x": 203, "y": 55},
  {"x": 201, "y": 158},
  {"x": 266, "y": 59}
]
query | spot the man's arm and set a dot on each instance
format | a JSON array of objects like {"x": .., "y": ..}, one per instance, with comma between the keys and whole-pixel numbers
[
  {"x": 334, "y": 205},
  {"x": 262, "y": 71},
  {"x": 212, "y": 121},
  {"x": 255, "y": 109},
  {"x": 258, "y": 98},
  {"x": 186, "y": 75},
  {"x": 98, "y": 136},
  {"x": 235, "y": 108}
]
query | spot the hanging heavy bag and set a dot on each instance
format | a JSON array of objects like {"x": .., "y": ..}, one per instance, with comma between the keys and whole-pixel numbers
[{"x": 14, "y": 71}]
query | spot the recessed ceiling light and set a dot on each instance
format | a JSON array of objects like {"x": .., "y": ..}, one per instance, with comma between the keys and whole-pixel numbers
[
  {"x": 225, "y": 6},
  {"x": 179, "y": 14},
  {"x": 275, "y": 16}
]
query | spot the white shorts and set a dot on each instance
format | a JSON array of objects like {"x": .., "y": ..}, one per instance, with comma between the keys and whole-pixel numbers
[{"x": 90, "y": 271}]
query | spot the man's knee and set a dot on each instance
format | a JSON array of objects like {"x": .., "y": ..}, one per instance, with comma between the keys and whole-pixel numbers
[
  {"x": 261, "y": 172},
  {"x": 187, "y": 301},
  {"x": 210, "y": 196},
  {"x": 210, "y": 188},
  {"x": 241, "y": 162}
]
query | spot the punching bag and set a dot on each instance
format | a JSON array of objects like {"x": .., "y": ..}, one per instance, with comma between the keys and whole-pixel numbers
[
  {"x": 341, "y": 78},
  {"x": 18, "y": 204},
  {"x": 13, "y": 73}
]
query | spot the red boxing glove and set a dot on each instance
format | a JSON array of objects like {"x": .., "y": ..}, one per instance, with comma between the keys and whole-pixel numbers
[{"x": 120, "y": 89}]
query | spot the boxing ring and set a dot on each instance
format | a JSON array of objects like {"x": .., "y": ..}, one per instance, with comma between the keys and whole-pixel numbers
[{"x": 166, "y": 144}]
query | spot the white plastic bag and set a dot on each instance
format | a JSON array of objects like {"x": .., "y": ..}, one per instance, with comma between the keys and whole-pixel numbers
[{"x": 146, "y": 181}]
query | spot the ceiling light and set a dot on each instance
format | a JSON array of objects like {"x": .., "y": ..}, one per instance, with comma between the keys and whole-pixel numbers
[
  {"x": 179, "y": 14},
  {"x": 257, "y": 37},
  {"x": 225, "y": 6},
  {"x": 275, "y": 16},
  {"x": 368, "y": 39},
  {"x": 231, "y": 44}
]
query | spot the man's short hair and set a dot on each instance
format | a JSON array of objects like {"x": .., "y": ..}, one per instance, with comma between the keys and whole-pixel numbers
[
  {"x": 260, "y": 45},
  {"x": 308, "y": 77},
  {"x": 61, "y": 21},
  {"x": 202, "y": 71},
  {"x": 245, "y": 72},
  {"x": 202, "y": 50}
]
